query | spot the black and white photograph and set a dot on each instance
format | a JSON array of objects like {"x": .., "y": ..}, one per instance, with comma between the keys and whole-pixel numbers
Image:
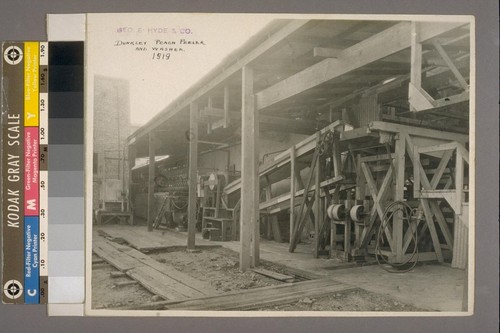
[{"x": 270, "y": 164}]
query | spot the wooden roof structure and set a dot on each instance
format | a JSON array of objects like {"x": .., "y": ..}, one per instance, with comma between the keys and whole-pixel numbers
[{"x": 302, "y": 69}]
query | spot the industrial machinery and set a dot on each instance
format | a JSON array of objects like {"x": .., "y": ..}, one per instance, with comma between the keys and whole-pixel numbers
[{"x": 389, "y": 190}]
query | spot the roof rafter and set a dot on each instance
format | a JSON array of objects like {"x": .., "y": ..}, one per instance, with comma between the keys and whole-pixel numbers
[
  {"x": 383, "y": 44},
  {"x": 203, "y": 88}
]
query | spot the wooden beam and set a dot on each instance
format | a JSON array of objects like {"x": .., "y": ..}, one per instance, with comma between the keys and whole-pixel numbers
[
  {"x": 381, "y": 87},
  {"x": 326, "y": 52},
  {"x": 417, "y": 131},
  {"x": 318, "y": 215},
  {"x": 249, "y": 214},
  {"x": 439, "y": 147},
  {"x": 459, "y": 181},
  {"x": 432, "y": 228},
  {"x": 416, "y": 62},
  {"x": 285, "y": 197},
  {"x": 436, "y": 210},
  {"x": 310, "y": 142},
  {"x": 451, "y": 65},
  {"x": 347, "y": 233},
  {"x": 274, "y": 275},
  {"x": 378, "y": 198},
  {"x": 285, "y": 123},
  {"x": 397, "y": 230},
  {"x": 450, "y": 100},
  {"x": 151, "y": 181},
  {"x": 221, "y": 144},
  {"x": 308, "y": 202},
  {"x": 425, "y": 123},
  {"x": 192, "y": 174},
  {"x": 199, "y": 90},
  {"x": 441, "y": 168},
  {"x": 255, "y": 298},
  {"x": 132, "y": 152},
  {"x": 419, "y": 99},
  {"x": 409, "y": 235},
  {"x": 383, "y": 44}
]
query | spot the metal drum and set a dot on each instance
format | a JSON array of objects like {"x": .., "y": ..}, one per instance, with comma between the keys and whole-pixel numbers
[
  {"x": 336, "y": 212},
  {"x": 357, "y": 213}
]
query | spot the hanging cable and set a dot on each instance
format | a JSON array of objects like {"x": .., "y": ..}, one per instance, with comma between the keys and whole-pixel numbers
[{"x": 408, "y": 213}]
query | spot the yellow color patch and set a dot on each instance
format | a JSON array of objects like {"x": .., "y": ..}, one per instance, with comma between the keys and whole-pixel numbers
[{"x": 31, "y": 78}]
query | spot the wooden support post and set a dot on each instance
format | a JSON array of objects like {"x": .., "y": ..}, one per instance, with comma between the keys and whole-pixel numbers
[
  {"x": 292, "y": 190},
  {"x": 415, "y": 157},
  {"x": 347, "y": 232},
  {"x": 218, "y": 197},
  {"x": 336, "y": 158},
  {"x": 151, "y": 181},
  {"x": 415, "y": 63},
  {"x": 249, "y": 231},
  {"x": 416, "y": 66},
  {"x": 459, "y": 181},
  {"x": 333, "y": 236},
  {"x": 399, "y": 196},
  {"x": 132, "y": 151},
  {"x": 256, "y": 184},
  {"x": 317, "y": 224},
  {"x": 432, "y": 229},
  {"x": 333, "y": 225},
  {"x": 227, "y": 119},
  {"x": 360, "y": 196},
  {"x": 416, "y": 56},
  {"x": 192, "y": 174}
]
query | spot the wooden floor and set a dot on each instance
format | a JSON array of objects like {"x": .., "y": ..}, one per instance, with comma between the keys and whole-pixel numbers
[
  {"x": 183, "y": 292},
  {"x": 139, "y": 238},
  {"x": 256, "y": 298},
  {"x": 435, "y": 287},
  {"x": 300, "y": 260},
  {"x": 158, "y": 278}
]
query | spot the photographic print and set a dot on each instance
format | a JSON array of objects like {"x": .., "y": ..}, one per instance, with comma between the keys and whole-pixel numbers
[{"x": 264, "y": 164}]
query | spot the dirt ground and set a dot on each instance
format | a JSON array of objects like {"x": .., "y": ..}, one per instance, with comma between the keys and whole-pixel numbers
[
  {"x": 350, "y": 300},
  {"x": 219, "y": 266}
]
